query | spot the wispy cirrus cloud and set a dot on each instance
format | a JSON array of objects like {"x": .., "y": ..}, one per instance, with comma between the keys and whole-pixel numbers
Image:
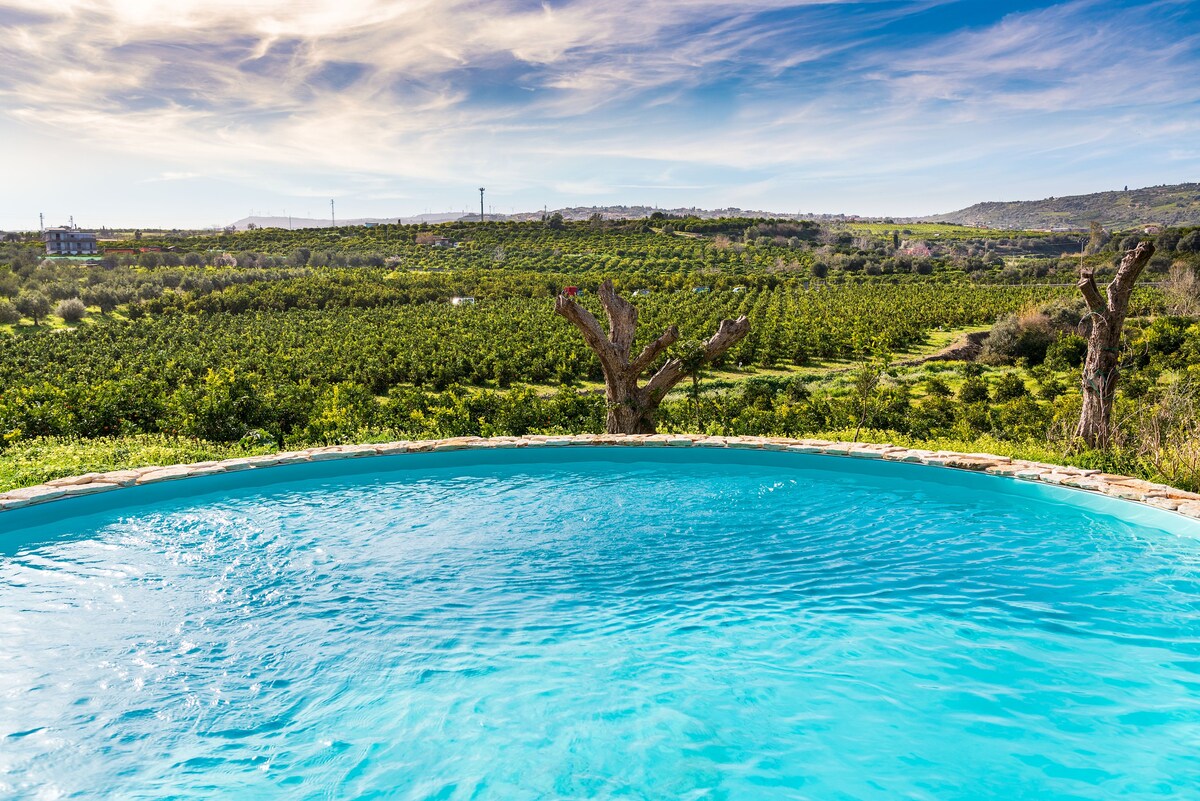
[
  {"x": 567, "y": 99},
  {"x": 346, "y": 84},
  {"x": 1078, "y": 56}
]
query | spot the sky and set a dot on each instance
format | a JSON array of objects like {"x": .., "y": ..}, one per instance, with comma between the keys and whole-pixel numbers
[{"x": 196, "y": 113}]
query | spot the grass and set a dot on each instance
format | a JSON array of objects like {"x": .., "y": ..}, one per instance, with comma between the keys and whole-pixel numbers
[
  {"x": 53, "y": 323},
  {"x": 36, "y": 461},
  {"x": 1032, "y": 450}
]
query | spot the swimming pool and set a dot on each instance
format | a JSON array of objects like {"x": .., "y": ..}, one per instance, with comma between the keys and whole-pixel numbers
[{"x": 599, "y": 623}]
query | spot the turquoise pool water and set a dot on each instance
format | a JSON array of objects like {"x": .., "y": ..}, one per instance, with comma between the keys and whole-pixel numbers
[{"x": 599, "y": 623}]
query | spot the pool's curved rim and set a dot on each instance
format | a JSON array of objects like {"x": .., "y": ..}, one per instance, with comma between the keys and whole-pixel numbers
[{"x": 1124, "y": 488}]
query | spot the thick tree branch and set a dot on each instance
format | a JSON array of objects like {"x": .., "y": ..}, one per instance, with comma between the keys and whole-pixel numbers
[
  {"x": 622, "y": 318},
  {"x": 593, "y": 334},
  {"x": 1131, "y": 267},
  {"x": 729, "y": 333},
  {"x": 1087, "y": 285},
  {"x": 651, "y": 351}
]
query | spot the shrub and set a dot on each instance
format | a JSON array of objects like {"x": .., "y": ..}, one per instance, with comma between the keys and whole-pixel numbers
[
  {"x": 1066, "y": 352},
  {"x": 1161, "y": 339},
  {"x": 1026, "y": 337},
  {"x": 1182, "y": 289},
  {"x": 1189, "y": 243},
  {"x": 1065, "y": 314},
  {"x": 937, "y": 387},
  {"x": 973, "y": 390},
  {"x": 70, "y": 310},
  {"x": 8, "y": 313},
  {"x": 1009, "y": 387},
  {"x": 1130, "y": 242}
]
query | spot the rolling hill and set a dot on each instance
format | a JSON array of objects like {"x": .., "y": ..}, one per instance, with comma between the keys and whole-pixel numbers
[{"x": 1175, "y": 205}]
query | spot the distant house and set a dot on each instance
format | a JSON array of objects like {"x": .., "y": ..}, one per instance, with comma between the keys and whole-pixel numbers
[
  {"x": 464, "y": 301},
  {"x": 435, "y": 240},
  {"x": 1152, "y": 229},
  {"x": 69, "y": 242}
]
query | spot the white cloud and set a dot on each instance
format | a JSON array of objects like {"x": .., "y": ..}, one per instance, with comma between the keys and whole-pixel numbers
[{"x": 579, "y": 98}]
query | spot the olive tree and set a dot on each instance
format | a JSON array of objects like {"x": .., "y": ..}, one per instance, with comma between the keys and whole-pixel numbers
[
  {"x": 33, "y": 305},
  {"x": 632, "y": 407},
  {"x": 1100, "y": 366}
]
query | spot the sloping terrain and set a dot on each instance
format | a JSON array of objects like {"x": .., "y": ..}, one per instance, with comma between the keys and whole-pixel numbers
[{"x": 1176, "y": 205}]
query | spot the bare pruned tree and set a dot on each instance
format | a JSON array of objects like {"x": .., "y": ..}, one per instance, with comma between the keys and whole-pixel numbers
[
  {"x": 632, "y": 408},
  {"x": 1100, "y": 367}
]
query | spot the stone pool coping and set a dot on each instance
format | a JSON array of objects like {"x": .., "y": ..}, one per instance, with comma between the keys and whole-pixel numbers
[{"x": 1123, "y": 487}]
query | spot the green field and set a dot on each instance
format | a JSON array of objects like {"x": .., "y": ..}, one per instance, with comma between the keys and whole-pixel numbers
[{"x": 233, "y": 343}]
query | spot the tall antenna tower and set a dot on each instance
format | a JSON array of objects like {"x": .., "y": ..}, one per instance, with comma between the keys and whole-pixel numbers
[
  {"x": 72, "y": 223},
  {"x": 41, "y": 221},
  {"x": 332, "y": 216},
  {"x": 481, "y": 203}
]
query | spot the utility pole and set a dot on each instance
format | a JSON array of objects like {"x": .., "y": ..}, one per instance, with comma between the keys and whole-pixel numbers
[
  {"x": 332, "y": 216},
  {"x": 481, "y": 203}
]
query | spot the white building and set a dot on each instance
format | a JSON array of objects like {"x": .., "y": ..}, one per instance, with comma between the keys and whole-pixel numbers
[{"x": 69, "y": 242}]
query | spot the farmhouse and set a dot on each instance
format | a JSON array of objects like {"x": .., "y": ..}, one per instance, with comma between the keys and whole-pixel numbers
[{"x": 65, "y": 241}]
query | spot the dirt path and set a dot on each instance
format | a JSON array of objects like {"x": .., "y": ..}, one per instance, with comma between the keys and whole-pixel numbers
[{"x": 965, "y": 348}]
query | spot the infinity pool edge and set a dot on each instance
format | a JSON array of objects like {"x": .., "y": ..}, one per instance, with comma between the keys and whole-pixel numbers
[{"x": 1135, "y": 490}]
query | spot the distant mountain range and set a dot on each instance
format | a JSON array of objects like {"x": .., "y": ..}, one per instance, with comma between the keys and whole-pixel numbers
[{"x": 1176, "y": 205}]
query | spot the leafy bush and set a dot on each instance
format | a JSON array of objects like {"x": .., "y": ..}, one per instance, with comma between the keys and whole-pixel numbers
[
  {"x": 1189, "y": 243},
  {"x": 1010, "y": 387},
  {"x": 70, "y": 310},
  {"x": 974, "y": 390},
  {"x": 1160, "y": 340},
  {"x": 936, "y": 387},
  {"x": 1026, "y": 337},
  {"x": 1067, "y": 351}
]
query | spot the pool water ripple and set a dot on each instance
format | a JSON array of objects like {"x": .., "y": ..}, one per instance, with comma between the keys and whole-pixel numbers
[{"x": 603, "y": 627}]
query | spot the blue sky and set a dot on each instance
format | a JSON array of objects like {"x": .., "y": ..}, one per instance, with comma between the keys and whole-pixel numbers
[{"x": 197, "y": 112}]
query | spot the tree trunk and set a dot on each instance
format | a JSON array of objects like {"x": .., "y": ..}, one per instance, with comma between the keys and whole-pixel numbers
[
  {"x": 1100, "y": 367},
  {"x": 632, "y": 408}
]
